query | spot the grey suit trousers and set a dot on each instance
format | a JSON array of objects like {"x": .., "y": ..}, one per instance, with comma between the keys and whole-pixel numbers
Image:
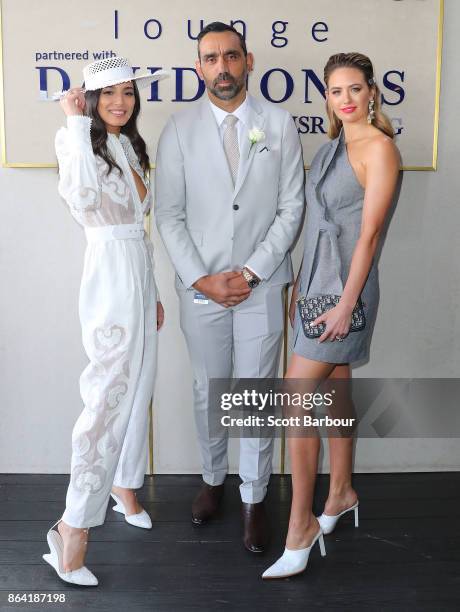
[{"x": 239, "y": 342}]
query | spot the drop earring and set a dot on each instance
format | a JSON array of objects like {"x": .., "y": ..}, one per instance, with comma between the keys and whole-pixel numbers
[{"x": 371, "y": 114}]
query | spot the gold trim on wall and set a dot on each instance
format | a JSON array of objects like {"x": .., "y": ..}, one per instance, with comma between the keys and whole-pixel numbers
[
  {"x": 285, "y": 365},
  {"x": 2, "y": 103},
  {"x": 147, "y": 227},
  {"x": 438, "y": 84},
  {"x": 6, "y": 164}
]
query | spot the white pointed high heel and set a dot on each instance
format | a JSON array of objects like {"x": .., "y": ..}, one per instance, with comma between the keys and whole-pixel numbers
[
  {"x": 81, "y": 576},
  {"x": 293, "y": 562},
  {"x": 328, "y": 522},
  {"x": 141, "y": 519}
]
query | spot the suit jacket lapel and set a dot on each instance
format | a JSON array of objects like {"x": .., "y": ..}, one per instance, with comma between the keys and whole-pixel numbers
[
  {"x": 256, "y": 118},
  {"x": 211, "y": 141}
]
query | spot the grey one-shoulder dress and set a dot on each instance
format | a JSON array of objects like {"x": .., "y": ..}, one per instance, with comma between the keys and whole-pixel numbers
[{"x": 334, "y": 211}]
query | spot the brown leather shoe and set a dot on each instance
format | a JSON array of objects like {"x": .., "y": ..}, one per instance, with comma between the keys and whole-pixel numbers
[
  {"x": 206, "y": 503},
  {"x": 255, "y": 527}
]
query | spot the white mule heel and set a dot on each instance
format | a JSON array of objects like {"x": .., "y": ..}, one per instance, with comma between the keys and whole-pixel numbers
[
  {"x": 293, "y": 562},
  {"x": 141, "y": 519},
  {"x": 328, "y": 522},
  {"x": 81, "y": 576}
]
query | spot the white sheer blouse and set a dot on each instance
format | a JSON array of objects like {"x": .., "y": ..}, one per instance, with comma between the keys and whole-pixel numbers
[{"x": 95, "y": 198}]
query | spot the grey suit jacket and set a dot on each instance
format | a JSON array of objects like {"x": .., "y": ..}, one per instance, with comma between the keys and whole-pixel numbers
[{"x": 210, "y": 226}]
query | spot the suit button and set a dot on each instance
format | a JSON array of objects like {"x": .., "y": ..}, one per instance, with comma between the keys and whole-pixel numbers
[{"x": 235, "y": 207}]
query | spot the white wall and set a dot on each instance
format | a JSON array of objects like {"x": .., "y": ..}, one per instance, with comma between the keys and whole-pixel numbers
[{"x": 41, "y": 252}]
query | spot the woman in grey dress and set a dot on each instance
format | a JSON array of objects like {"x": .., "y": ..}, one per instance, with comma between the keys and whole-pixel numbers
[{"x": 349, "y": 192}]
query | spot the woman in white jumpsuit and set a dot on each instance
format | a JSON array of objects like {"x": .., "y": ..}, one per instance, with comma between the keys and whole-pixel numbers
[{"x": 103, "y": 167}]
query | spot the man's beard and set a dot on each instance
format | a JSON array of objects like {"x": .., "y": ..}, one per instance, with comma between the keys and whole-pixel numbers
[{"x": 229, "y": 91}]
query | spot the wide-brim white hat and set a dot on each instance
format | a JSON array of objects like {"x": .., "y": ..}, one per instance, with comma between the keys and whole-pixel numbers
[{"x": 116, "y": 70}]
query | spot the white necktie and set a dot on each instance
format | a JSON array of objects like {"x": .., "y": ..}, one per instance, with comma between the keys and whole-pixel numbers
[{"x": 231, "y": 145}]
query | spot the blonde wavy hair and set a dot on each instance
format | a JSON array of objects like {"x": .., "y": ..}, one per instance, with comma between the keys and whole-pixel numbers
[{"x": 364, "y": 64}]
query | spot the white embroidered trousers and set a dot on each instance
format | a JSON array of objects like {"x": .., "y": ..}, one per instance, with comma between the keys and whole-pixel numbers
[{"x": 118, "y": 319}]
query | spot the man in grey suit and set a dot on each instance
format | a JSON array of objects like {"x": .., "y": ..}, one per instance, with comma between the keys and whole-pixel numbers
[{"x": 229, "y": 201}]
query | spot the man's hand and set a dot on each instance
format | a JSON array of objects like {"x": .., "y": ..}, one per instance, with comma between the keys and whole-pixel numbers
[
  {"x": 223, "y": 288},
  {"x": 239, "y": 282}
]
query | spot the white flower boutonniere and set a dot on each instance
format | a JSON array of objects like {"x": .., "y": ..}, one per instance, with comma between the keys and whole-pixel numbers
[{"x": 255, "y": 135}]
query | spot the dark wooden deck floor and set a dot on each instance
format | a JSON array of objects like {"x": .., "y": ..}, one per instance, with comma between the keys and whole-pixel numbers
[{"x": 404, "y": 556}]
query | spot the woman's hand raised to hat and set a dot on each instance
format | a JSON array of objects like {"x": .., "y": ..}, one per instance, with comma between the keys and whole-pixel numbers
[{"x": 73, "y": 103}]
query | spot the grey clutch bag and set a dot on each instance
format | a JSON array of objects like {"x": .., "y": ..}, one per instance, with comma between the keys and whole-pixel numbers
[{"x": 311, "y": 308}]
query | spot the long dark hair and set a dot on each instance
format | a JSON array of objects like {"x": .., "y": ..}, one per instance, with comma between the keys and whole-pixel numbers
[
  {"x": 364, "y": 64},
  {"x": 99, "y": 131}
]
